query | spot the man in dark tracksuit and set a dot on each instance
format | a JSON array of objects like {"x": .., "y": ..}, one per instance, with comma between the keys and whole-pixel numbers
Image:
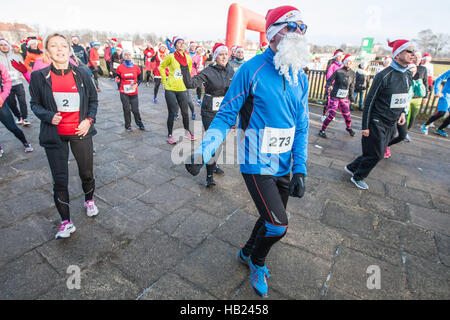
[
  {"x": 384, "y": 106},
  {"x": 216, "y": 78}
]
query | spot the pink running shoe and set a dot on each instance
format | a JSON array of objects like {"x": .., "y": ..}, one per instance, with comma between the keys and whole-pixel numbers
[
  {"x": 171, "y": 140},
  {"x": 65, "y": 229},
  {"x": 188, "y": 135},
  {"x": 387, "y": 154},
  {"x": 91, "y": 208}
]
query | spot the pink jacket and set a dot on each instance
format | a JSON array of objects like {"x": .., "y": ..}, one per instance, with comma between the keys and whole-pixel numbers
[
  {"x": 6, "y": 82},
  {"x": 197, "y": 64},
  {"x": 334, "y": 66}
]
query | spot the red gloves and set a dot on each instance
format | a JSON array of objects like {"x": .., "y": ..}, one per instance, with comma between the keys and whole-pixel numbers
[{"x": 19, "y": 66}]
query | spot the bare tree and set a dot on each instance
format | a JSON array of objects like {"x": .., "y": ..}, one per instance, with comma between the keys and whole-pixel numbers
[{"x": 434, "y": 43}]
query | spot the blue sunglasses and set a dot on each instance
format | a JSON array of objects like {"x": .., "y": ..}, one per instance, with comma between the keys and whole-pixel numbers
[{"x": 292, "y": 26}]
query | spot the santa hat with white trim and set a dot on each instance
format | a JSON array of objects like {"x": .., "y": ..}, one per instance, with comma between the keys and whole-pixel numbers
[
  {"x": 75, "y": 38},
  {"x": 347, "y": 58},
  {"x": 5, "y": 41},
  {"x": 277, "y": 15},
  {"x": 426, "y": 56},
  {"x": 218, "y": 48},
  {"x": 176, "y": 39},
  {"x": 398, "y": 46},
  {"x": 337, "y": 53}
]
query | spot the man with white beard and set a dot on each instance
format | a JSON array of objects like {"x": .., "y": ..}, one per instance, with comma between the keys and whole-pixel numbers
[{"x": 270, "y": 93}]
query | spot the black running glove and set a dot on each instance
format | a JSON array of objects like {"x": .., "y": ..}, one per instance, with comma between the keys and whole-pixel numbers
[
  {"x": 194, "y": 164},
  {"x": 297, "y": 186}
]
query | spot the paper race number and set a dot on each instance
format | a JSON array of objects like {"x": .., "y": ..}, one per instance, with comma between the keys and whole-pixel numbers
[
  {"x": 399, "y": 100},
  {"x": 342, "y": 93},
  {"x": 216, "y": 102},
  {"x": 177, "y": 74},
  {"x": 277, "y": 140},
  {"x": 67, "y": 101},
  {"x": 115, "y": 65}
]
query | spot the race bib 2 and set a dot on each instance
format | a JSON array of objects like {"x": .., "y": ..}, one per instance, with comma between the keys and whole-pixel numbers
[{"x": 67, "y": 101}]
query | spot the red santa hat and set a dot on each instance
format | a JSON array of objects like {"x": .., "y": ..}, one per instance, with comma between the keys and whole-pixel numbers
[
  {"x": 114, "y": 40},
  {"x": 119, "y": 47},
  {"x": 427, "y": 56},
  {"x": 280, "y": 15},
  {"x": 347, "y": 58},
  {"x": 218, "y": 48},
  {"x": 264, "y": 44},
  {"x": 398, "y": 46},
  {"x": 5, "y": 41},
  {"x": 337, "y": 53},
  {"x": 75, "y": 38}
]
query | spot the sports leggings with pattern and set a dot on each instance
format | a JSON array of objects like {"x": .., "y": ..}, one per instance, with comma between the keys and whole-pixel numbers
[{"x": 270, "y": 195}]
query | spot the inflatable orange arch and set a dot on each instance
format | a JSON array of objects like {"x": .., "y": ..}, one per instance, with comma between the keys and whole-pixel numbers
[{"x": 241, "y": 19}]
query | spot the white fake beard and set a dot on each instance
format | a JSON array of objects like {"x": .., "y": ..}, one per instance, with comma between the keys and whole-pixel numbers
[{"x": 292, "y": 54}]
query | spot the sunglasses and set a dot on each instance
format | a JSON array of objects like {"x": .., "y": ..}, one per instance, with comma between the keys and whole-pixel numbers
[
  {"x": 411, "y": 51},
  {"x": 293, "y": 26}
]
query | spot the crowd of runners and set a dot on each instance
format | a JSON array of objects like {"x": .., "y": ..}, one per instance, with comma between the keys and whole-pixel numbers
[{"x": 265, "y": 98}]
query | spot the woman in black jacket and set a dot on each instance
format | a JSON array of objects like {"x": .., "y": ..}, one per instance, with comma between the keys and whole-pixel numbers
[
  {"x": 64, "y": 98},
  {"x": 216, "y": 78}
]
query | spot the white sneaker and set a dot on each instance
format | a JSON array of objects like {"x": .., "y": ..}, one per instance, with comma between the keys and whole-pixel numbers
[
  {"x": 65, "y": 229},
  {"x": 91, "y": 208},
  {"x": 26, "y": 122},
  {"x": 1, "y": 151},
  {"x": 19, "y": 121},
  {"x": 322, "y": 118},
  {"x": 28, "y": 148}
]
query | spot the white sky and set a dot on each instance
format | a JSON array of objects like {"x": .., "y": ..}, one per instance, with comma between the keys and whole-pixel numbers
[{"x": 329, "y": 21}]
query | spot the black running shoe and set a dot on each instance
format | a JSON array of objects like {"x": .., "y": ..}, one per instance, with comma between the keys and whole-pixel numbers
[
  {"x": 210, "y": 181},
  {"x": 323, "y": 134},
  {"x": 351, "y": 132},
  {"x": 217, "y": 170}
]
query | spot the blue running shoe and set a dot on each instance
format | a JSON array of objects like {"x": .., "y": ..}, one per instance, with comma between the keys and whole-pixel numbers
[
  {"x": 424, "y": 129},
  {"x": 258, "y": 280},
  {"x": 441, "y": 133},
  {"x": 194, "y": 116},
  {"x": 176, "y": 116},
  {"x": 245, "y": 260},
  {"x": 360, "y": 183}
]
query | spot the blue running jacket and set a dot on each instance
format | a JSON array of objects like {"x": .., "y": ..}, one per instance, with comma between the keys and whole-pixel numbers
[{"x": 273, "y": 123}]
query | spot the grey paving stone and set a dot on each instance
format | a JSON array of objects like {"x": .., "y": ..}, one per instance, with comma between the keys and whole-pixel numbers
[
  {"x": 350, "y": 275},
  {"x": 129, "y": 219},
  {"x": 24, "y": 236},
  {"x": 26, "y": 278},
  {"x": 427, "y": 280},
  {"x": 83, "y": 248},
  {"x": 312, "y": 236},
  {"x": 18, "y": 208},
  {"x": 350, "y": 219},
  {"x": 236, "y": 229},
  {"x": 443, "y": 247},
  {"x": 100, "y": 281},
  {"x": 189, "y": 225},
  {"x": 167, "y": 197},
  {"x": 213, "y": 266},
  {"x": 409, "y": 195},
  {"x": 145, "y": 259},
  {"x": 172, "y": 287},
  {"x": 389, "y": 208},
  {"x": 430, "y": 219},
  {"x": 296, "y": 274},
  {"x": 120, "y": 191},
  {"x": 407, "y": 237}
]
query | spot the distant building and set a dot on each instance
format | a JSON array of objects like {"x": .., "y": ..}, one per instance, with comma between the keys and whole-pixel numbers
[{"x": 15, "y": 32}]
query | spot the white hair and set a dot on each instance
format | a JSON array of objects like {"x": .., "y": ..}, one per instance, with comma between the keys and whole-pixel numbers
[{"x": 292, "y": 55}]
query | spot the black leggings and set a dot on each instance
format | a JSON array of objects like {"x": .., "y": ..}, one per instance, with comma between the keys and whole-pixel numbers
[
  {"x": 19, "y": 92},
  {"x": 156, "y": 88},
  {"x": 436, "y": 116},
  {"x": 130, "y": 103},
  {"x": 402, "y": 132},
  {"x": 173, "y": 99},
  {"x": 7, "y": 119},
  {"x": 270, "y": 195},
  {"x": 82, "y": 150}
]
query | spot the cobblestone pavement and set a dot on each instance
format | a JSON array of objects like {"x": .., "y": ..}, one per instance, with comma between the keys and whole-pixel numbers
[{"x": 161, "y": 234}]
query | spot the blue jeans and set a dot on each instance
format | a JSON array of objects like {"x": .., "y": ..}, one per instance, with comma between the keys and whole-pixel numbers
[
  {"x": 361, "y": 95},
  {"x": 7, "y": 119}
]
